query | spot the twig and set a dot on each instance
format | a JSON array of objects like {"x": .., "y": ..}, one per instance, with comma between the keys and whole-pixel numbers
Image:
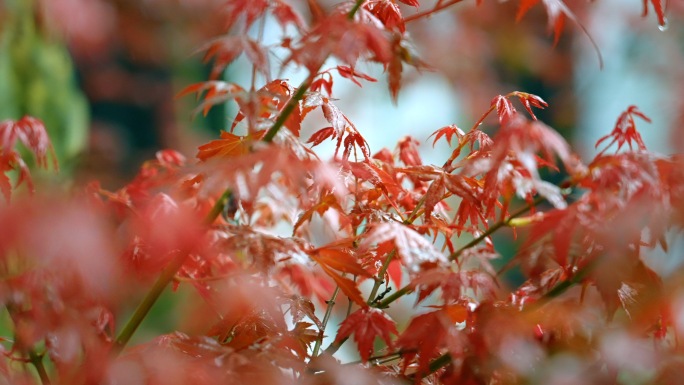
[
  {"x": 493, "y": 228},
  {"x": 324, "y": 323},
  {"x": 37, "y": 361},
  {"x": 435, "y": 9}
]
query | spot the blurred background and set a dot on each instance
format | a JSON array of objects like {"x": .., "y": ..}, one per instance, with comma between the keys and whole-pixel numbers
[{"x": 103, "y": 75}]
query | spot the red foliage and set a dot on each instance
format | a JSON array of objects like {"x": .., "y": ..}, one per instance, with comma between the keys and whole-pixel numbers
[{"x": 261, "y": 303}]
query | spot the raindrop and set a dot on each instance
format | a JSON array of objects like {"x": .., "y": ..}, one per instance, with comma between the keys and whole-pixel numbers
[{"x": 663, "y": 27}]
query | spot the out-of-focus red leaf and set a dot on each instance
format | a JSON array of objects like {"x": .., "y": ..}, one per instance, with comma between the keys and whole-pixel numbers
[
  {"x": 286, "y": 14},
  {"x": 249, "y": 10},
  {"x": 347, "y": 40},
  {"x": 352, "y": 74},
  {"x": 325, "y": 203},
  {"x": 428, "y": 334},
  {"x": 445, "y": 279},
  {"x": 366, "y": 324},
  {"x": 31, "y": 133},
  {"x": 217, "y": 92},
  {"x": 394, "y": 70},
  {"x": 5, "y": 185}
]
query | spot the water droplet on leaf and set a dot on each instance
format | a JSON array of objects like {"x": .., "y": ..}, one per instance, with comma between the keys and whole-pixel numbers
[{"x": 663, "y": 27}]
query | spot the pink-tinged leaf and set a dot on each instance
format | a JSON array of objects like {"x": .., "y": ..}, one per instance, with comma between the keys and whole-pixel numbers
[
  {"x": 335, "y": 117},
  {"x": 223, "y": 51},
  {"x": 249, "y": 11},
  {"x": 286, "y": 14},
  {"x": 394, "y": 70},
  {"x": 343, "y": 38},
  {"x": 170, "y": 158},
  {"x": 258, "y": 56},
  {"x": 300, "y": 307},
  {"x": 366, "y": 324},
  {"x": 5, "y": 185},
  {"x": 434, "y": 195},
  {"x": 31, "y": 133},
  {"x": 504, "y": 108},
  {"x": 217, "y": 92}
]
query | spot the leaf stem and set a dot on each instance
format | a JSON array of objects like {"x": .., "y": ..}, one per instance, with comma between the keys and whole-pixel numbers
[
  {"x": 355, "y": 8},
  {"x": 34, "y": 358},
  {"x": 37, "y": 361},
  {"x": 324, "y": 323},
  {"x": 172, "y": 268},
  {"x": 383, "y": 358},
  {"x": 150, "y": 298},
  {"x": 218, "y": 207},
  {"x": 397, "y": 294},
  {"x": 493, "y": 228},
  {"x": 381, "y": 274},
  {"x": 301, "y": 90},
  {"x": 164, "y": 278},
  {"x": 435, "y": 9},
  {"x": 289, "y": 108}
]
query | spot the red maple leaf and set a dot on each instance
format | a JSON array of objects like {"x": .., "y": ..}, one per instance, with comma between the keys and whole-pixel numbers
[
  {"x": 428, "y": 334},
  {"x": 625, "y": 131},
  {"x": 658, "y": 8},
  {"x": 366, "y": 324}
]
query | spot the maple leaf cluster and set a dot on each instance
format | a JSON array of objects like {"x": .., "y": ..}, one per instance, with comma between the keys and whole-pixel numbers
[{"x": 275, "y": 244}]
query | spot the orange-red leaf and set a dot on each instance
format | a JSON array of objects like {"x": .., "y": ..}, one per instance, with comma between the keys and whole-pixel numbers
[
  {"x": 347, "y": 286},
  {"x": 228, "y": 146},
  {"x": 339, "y": 259}
]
